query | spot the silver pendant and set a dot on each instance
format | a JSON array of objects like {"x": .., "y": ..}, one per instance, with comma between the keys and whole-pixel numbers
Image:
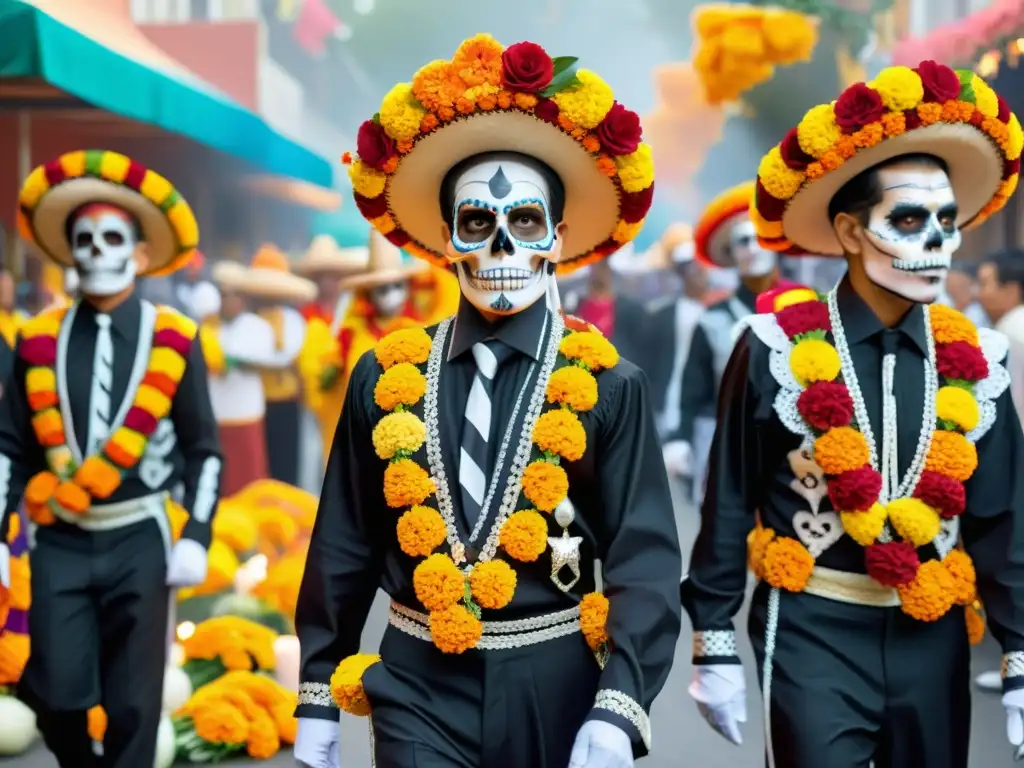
[{"x": 565, "y": 553}]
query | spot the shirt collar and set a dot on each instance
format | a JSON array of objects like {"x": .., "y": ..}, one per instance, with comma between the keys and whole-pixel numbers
[
  {"x": 861, "y": 323},
  {"x": 521, "y": 331},
  {"x": 124, "y": 320}
]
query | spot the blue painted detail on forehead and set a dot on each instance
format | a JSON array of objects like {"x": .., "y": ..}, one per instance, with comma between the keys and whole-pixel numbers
[{"x": 526, "y": 201}]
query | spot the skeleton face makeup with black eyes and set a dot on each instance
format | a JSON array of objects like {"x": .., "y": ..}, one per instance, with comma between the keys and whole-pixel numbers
[
  {"x": 751, "y": 259},
  {"x": 388, "y": 300},
  {"x": 103, "y": 244},
  {"x": 504, "y": 236},
  {"x": 912, "y": 233}
]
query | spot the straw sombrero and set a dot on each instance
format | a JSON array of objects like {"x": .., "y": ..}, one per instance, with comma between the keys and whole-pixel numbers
[
  {"x": 711, "y": 236},
  {"x": 267, "y": 277},
  {"x": 489, "y": 98},
  {"x": 52, "y": 192},
  {"x": 324, "y": 257},
  {"x": 384, "y": 265},
  {"x": 951, "y": 114}
]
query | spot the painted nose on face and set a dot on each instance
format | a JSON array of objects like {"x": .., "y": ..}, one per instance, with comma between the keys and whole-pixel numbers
[
  {"x": 502, "y": 242},
  {"x": 96, "y": 252},
  {"x": 933, "y": 240}
]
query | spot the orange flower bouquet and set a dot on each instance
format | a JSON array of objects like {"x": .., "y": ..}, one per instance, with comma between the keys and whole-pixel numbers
[{"x": 224, "y": 644}]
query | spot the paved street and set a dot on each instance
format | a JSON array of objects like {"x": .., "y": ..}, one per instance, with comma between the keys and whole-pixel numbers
[{"x": 681, "y": 738}]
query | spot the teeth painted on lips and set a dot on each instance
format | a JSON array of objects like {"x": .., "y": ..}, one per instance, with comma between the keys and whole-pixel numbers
[
  {"x": 918, "y": 265},
  {"x": 502, "y": 279}
]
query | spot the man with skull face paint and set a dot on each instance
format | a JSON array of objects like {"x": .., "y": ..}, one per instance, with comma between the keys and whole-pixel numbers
[
  {"x": 501, "y": 650},
  {"x": 108, "y": 414},
  {"x": 858, "y": 622}
]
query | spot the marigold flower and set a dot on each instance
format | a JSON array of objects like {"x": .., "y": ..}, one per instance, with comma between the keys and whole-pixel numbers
[
  {"x": 864, "y": 526},
  {"x": 594, "y": 619},
  {"x": 840, "y": 450},
  {"x": 573, "y": 386},
  {"x": 561, "y": 432},
  {"x": 914, "y": 520},
  {"x": 401, "y": 432},
  {"x": 545, "y": 485},
  {"x": 493, "y": 584},
  {"x": 787, "y": 564},
  {"x": 814, "y": 360},
  {"x": 96, "y": 722},
  {"x": 949, "y": 325},
  {"x": 72, "y": 498},
  {"x": 455, "y": 629},
  {"x": 590, "y": 348},
  {"x": 263, "y": 742},
  {"x": 14, "y": 653},
  {"x": 778, "y": 179},
  {"x": 524, "y": 536},
  {"x": 40, "y": 514},
  {"x": 220, "y": 722},
  {"x": 98, "y": 477},
  {"x": 401, "y": 384},
  {"x": 636, "y": 170},
  {"x": 367, "y": 181},
  {"x": 587, "y": 104},
  {"x": 757, "y": 542},
  {"x": 900, "y": 88},
  {"x": 438, "y": 582},
  {"x": 958, "y": 406},
  {"x": 478, "y": 61},
  {"x": 347, "y": 683},
  {"x": 20, "y": 593},
  {"x": 408, "y": 345},
  {"x": 975, "y": 625},
  {"x": 41, "y": 487},
  {"x": 817, "y": 131},
  {"x": 931, "y": 594},
  {"x": 965, "y": 578},
  {"x": 942, "y": 493},
  {"x": 421, "y": 530},
  {"x": 436, "y": 85},
  {"x": 952, "y": 455},
  {"x": 406, "y": 483},
  {"x": 894, "y": 123},
  {"x": 400, "y": 114}
]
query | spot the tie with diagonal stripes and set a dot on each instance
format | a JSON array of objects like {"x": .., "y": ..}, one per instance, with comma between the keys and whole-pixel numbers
[
  {"x": 102, "y": 380},
  {"x": 474, "y": 464}
]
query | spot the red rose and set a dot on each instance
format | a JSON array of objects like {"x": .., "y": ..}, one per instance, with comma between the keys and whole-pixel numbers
[
  {"x": 804, "y": 317},
  {"x": 770, "y": 208},
  {"x": 526, "y": 67},
  {"x": 855, "y": 490},
  {"x": 620, "y": 131},
  {"x": 857, "y": 106},
  {"x": 398, "y": 238},
  {"x": 371, "y": 207},
  {"x": 792, "y": 155},
  {"x": 826, "y": 404},
  {"x": 374, "y": 145},
  {"x": 942, "y": 493},
  {"x": 941, "y": 84},
  {"x": 1004, "y": 110},
  {"x": 633, "y": 206},
  {"x": 1011, "y": 167},
  {"x": 911, "y": 119},
  {"x": 546, "y": 110},
  {"x": 893, "y": 564},
  {"x": 960, "y": 360}
]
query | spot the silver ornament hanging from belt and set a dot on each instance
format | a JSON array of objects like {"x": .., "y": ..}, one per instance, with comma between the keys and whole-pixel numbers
[{"x": 565, "y": 549}]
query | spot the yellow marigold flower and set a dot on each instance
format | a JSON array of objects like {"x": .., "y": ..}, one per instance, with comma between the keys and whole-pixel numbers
[
  {"x": 573, "y": 386},
  {"x": 401, "y": 114},
  {"x": 347, "y": 683},
  {"x": 436, "y": 86},
  {"x": 985, "y": 98},
  {"x": 899, "y": 87},
  {"x": 961, "y": 568},
  {"x": 814, "y": 360},
  {"x": 235, "y": 527},
  {"x": 366, "y": 181},
  {"x": 841, "y": 449},
  {"x": 594, "y": 619},
  {"x": 865, "y": 526},
  {"x": 20, "y": 594},
  {"x": 545, "y": 485},
  {"x": 778, "y": 179},
  {"x": 757, "y": 541},
  {"x": 438, "y": 582},
  {"x": 524, "y": 536},
  {"x": 914, "y": 520},
  {"x": 478, "y": 61},
  {"x": 791, "y": 36},
  {"x": 406, "y": 483},
  {"x": 263, "y": 742},
  {"x": 493, "y": 584},
  {"x": 421, "y": 530},
  {"x": 408, "y": 345},
  {"x": 931, "y": 594},
  {"x": 949, "y": 325},
  {"x": 626, "y": 231},
  {"x": 590, "y": 348},
  {"x": 1015, "y": 138},
  {"x": 636, "y": 170},
  {"x": 787, "y": 564},
  {"x": 588, "y": 103},
  {"x": 952, "y": 455},
  {"x": 402, "y": 384},
  {"x": 958, "y": 406},
  {"x": 455, "y": 629},
  {"x": 818, "y": 132},
  {"x": 220, "y": 722},
  {"x": 399, "y": 432},
  {"x": 561, "y": 432},
  {"x": 795, "y": 296},
  {"x": 97, "y": 723}
]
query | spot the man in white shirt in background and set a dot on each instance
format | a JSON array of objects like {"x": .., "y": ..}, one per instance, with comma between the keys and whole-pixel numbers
[{"x": 961, "y": 293}]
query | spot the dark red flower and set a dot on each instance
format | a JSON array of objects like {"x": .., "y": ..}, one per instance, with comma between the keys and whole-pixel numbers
[
  {"x": 942, "y": 493},
  {"x": 141, "y": 421},
  {"x": 770, "y": 208},
  {"x": 526, "y": 67},
  {"x": 633, "y": 206},
  {"x": 38, "y": 351},
  {"x": 398, "y": 238},
  {"x": 374, "y": 145},
  {"x": 792, "y": 155},
  {"x": 546, "y": 110},
  {"x": 826, "y": 404},
  {"x": 940, "y": 82},
  {"x": 371, "y": 207},
  {"x": 803, "y": 318},
  {"x": 893, "y": 564},
  {"x": 606, "y": 248},
  {"x": 960, "y": 360},
  {"x": 620, "y": 131},
  {"x": 977, "y": 119},
  {"x": 856, "y": 489},
  {"x": 911, "y": 119},
  {"x": 1011, "y": 167},
  {"x": 1004, "y": 109},
  {"x": 857, "y": 106}
]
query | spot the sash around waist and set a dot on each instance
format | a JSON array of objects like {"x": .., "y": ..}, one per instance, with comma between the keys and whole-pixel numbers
[{"x": 855, "y": 588}]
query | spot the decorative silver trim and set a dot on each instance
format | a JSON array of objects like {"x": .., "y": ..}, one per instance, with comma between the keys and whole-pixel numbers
[
  {"x": 1013, "y": 664},
  {"x": 627, "y": 707},
  {"x": 317, "y": 694},
  {"x": 715, "y": 642}
]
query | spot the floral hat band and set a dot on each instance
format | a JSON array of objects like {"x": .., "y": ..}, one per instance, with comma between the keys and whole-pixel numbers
[
  {"x": 951, "y": 114},
  {"x": 489, "y": 98}
]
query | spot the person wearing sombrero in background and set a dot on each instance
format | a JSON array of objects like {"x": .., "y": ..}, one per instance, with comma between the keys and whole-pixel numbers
[
  {"x": 108, "y": 414},
  {"x": 877, "y": 512},
  {"x": 187, "y": 278},
  {"x": 501, "y": 649}
]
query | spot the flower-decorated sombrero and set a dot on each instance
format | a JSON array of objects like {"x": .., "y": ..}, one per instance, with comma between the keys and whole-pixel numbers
[
  {"x": 711, "y": 236},
  {"x": 489, "y": 98},
  {"x": 268, "y": 277},
  {"x": 53, "y": 191},
  {"x": 384, "y": 264},
  {"x": 932, "y": 109},
  {"x": 324, "y": 257}
]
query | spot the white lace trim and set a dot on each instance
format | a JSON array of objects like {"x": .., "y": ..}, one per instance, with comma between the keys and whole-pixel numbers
[
  {"x": 716, "y": 642},
  {"x": 627, "y": 707},
  {"x": 994, "y": 346},
  {"x": 317, "y": 694},
  {"x": 498, "y": 635}
]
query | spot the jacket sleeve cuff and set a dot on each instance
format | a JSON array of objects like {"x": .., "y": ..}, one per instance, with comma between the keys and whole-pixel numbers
[
  {"x": 199, "y": 532},
  {"x": 315, "y": 701},
  {"x": 1013, "y": 671},
  {"x": 624, "y": 712},
  {"x": 716, "y": 646}
]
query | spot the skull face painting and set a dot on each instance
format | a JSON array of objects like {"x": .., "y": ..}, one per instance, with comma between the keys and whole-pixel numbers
[
  {"x": 104, "y": 240},
  {"x": 388, "y": 300},
  {"x": 504, "y": 236},
  {"x": 751, "y": 259}
]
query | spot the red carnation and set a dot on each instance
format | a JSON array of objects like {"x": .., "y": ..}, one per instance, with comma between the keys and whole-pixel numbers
[
  {"x": 856, "y": 489},
  {"x": 911, "y": 119},
  {"x": 398, "y": 238},
  {"x": 620, "y": 131},
  {"x": 374, "y": 145},
  {"x": 893, "y": 564},
  {"x": 38, "y": 351},
  {"x": 804, "y": 317},
  {"x": 1011, "y": 167},
  {"x": 960, "y": 360},
  {"x": 857, "y": 106},
  {"x": 546, "y": 110},
  {"x": 526, "y": 67},
  {"x": 941, "y": 84},
  {"x": 606, "y": 248},
  {"x": 1004, "y": 109},
  {"x": 770, "y": 208},
  {"x": 826, "y": 404},
  {"x": 371, "y": 207},
  {"x": 942, "y": 493},
  {"x": 633, "y": 206},
  {"x": 792, "y": 155}
]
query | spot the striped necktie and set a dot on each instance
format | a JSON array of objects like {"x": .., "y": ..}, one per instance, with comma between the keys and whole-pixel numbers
[
  {"x": 474, "y": 465},
  {"x": 102, "y": 380}
]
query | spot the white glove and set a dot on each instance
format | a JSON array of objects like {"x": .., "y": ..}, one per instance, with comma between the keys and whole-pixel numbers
[
  {"x": 1013, "y": 703},
  {"x": 720, "y": 691},
  {"x": 678, "y": 458},
  {"x": 601, "y": 745},
  {"x": 5, "y": 566},
  {"x": 317, "y": 743},
  {"x": 187, "y": 567}
]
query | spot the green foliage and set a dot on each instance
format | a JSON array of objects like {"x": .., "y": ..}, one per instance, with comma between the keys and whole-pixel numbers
[{"x": 203, "y": 671}]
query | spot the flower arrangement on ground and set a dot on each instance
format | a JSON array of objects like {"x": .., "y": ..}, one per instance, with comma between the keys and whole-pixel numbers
[
  {"x": 17, "y": 722},
  {"x": 227, "y": 643}
]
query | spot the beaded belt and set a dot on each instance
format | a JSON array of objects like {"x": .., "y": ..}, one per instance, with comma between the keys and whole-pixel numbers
[
  {"x": 498, "y": 635},
  {"x": 856, "y": 588}
]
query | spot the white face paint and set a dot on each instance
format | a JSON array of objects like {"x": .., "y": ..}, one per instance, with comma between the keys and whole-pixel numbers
[
  {"x": 504, "y": 235},
  {"x": 103, "y": 243},
  {"x": 389, "y": 299},
  {"x": 912, "y": 233},
  {"x": 751, "y": 259}
]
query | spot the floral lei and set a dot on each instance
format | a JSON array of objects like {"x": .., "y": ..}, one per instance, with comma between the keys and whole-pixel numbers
[
  {"x": 927, "y": 590},
  {"x": 452, "y": 591},
  {"x": 72, "y": 487}
]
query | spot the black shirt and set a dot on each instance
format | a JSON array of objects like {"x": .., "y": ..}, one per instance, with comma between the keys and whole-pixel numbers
[{"x": 753, "y": 457}]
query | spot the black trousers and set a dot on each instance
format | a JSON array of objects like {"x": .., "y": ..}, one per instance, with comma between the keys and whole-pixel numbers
[
  {"x": 98, "y": 625},
  {"x": 281, "y": 424},
  {"x": 501, "y": 709},
  {"x": 854, "y": 685}
]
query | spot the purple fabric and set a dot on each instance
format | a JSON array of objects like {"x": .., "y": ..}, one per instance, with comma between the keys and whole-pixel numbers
[
  {"x": 20, "y": 544},
  {"x": 17, "y": 621}
]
